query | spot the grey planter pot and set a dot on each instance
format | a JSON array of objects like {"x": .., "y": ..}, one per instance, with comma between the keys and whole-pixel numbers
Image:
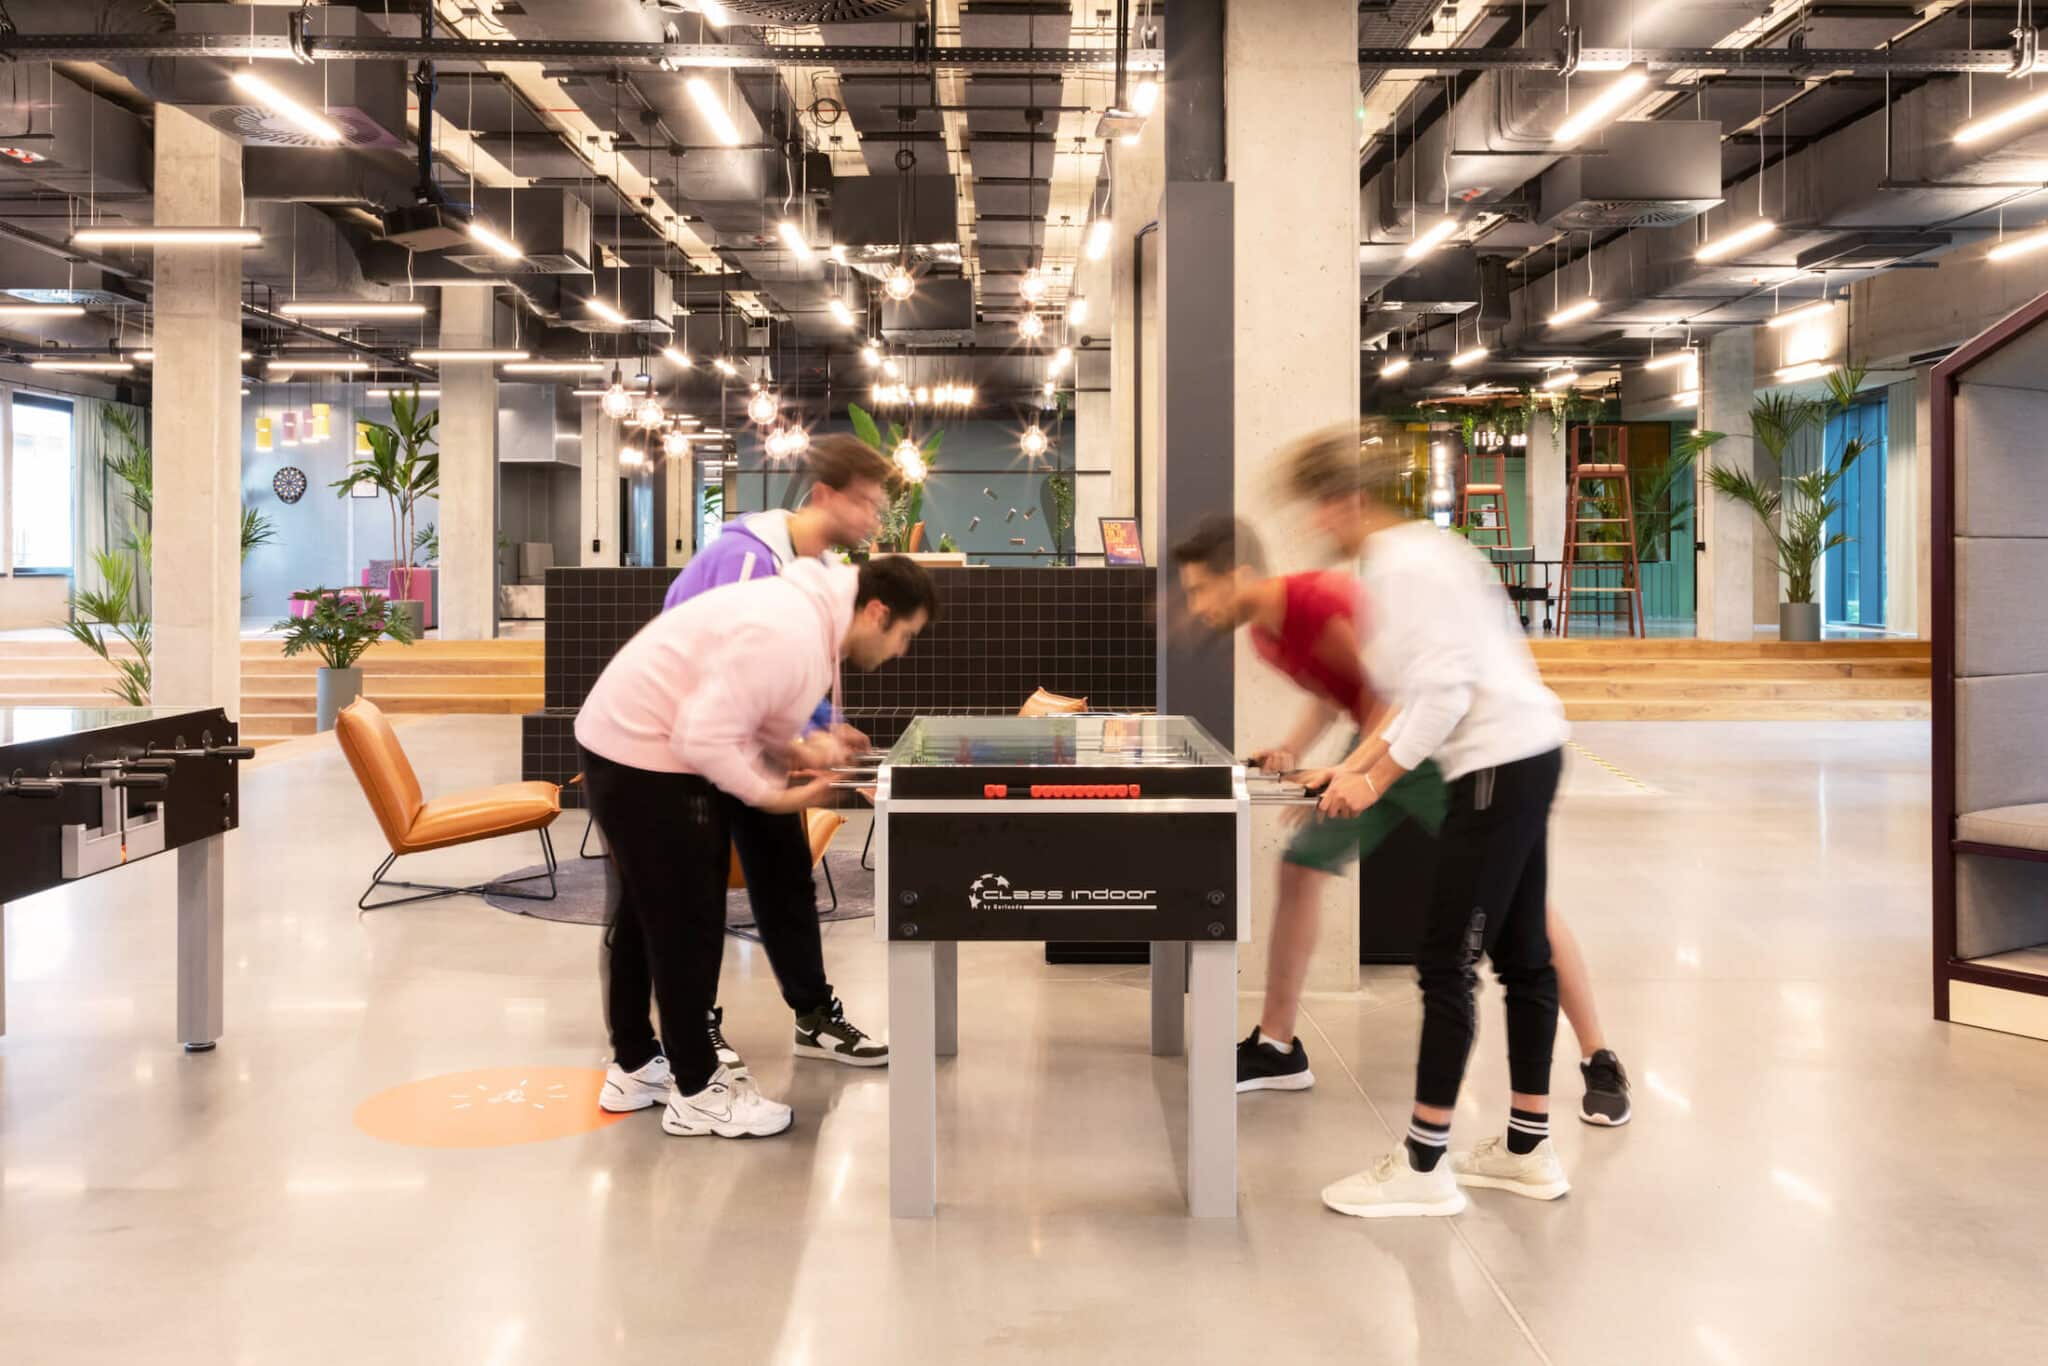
[
  {"x": 1799, "y": 621},
  {"x": 337, "y": 688},
  {"x": 412, "y": 609}
]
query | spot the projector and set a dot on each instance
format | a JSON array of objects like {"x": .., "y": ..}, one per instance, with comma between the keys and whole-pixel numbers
[{"x": 427, "y": 227}]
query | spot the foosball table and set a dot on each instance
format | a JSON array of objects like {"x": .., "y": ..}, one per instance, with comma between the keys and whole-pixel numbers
[
  {"x": 1074, "y": 828},
  {"x": 84, "y": 791}
]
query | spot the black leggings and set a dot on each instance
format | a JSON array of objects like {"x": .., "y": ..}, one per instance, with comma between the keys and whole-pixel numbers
[
  {"x": 1489, "y": 898},
  {"x": 670, "y": 836}
]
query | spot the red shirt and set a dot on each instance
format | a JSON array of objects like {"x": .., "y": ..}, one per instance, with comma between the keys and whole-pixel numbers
[{"x": 1328, "y": 669}]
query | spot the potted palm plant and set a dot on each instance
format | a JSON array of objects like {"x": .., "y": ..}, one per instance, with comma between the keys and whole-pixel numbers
[
  {"x": 1793, "y": 510},
  {"x": 342, "y": 624},
  {"x": 404, "y": 466}
]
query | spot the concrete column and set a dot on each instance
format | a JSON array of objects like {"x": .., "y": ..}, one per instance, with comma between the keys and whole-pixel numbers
[
  {"x": 1291, "y": 99},
  {"x": 468, "y": 442},
  {"x": 600, "y": 501},
  {"x": 1136, "y": 176},
  {"x": 1544, "y": 478},
  {"x": 196, "y": 407},
  {"x": 1726, "y": 598}
]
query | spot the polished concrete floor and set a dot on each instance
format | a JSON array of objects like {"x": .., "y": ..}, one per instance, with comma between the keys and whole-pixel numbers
[{"x": 1818, "y": 1172}]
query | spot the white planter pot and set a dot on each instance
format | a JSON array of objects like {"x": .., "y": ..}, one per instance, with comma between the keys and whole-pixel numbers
[{"x": 336, "y": 688}]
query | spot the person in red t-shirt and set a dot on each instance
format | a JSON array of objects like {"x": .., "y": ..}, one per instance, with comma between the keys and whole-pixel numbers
[{"x": 1308, "y": 627}]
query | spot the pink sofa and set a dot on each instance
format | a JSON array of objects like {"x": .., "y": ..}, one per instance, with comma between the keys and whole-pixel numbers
[
  {"x": 301, "y": 608},
  {"x": 401, "y": 585}
]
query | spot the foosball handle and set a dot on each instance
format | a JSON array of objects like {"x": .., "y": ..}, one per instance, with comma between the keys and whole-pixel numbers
[
  {"x": 233, "y": 751},
  {"x": 139, "y": 779},
  {"x": 31, "y": 787}
]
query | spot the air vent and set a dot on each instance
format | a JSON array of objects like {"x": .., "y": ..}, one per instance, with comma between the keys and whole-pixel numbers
[
  {"x": 1872, "y": 249},
  {"x": 1588, "y": 214},
  {"x": 85, "y": 298},
  {"x": 816, "y": 11},
  {"x": 1635, "y": 175},
  {"x": 256, "y": 126}
]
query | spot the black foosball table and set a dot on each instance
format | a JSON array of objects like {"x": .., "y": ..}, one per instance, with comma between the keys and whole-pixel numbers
[
  {"x": 1090, "y": 828},
  {"x": 84, "y": 791}
]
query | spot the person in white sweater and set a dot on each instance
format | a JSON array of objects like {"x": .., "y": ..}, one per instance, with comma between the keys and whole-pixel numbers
[
  {"x": 1447, "y": 652},
  {"x": 691, "y": 731}
]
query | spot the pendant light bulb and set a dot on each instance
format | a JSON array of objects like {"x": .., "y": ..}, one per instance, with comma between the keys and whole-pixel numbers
[
  {"x": 1033, "y": 441},
  {"x": 1031, "y": 327},
  {"x": 1033, "y": 285},
  {"x": 900, "y": 285},
  {"x": 616, "y": 401},
  {"x": 650, "y": 413},
  {"x": 909, "y": 461},
  {"x": 762, "y": 408},
  {"x": 675, "y": 443}
]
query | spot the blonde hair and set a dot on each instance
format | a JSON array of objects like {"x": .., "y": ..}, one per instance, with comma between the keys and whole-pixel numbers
[{"x": 1366, "y": 457}]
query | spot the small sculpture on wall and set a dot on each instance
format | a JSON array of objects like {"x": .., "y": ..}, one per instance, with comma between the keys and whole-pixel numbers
[{"x": 289, "y": 484}]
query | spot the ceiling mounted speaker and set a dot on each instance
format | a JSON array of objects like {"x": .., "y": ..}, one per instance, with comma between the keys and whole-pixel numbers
[{"x": 818, "y": 11}]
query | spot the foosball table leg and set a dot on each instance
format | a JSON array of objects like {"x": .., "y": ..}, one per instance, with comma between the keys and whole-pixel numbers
[
  {"x": 1169, "y": 994},
  {"x": 1212, "y": 1080},
  {"x": 946, "y": 998},
  {"x": 3, "y": 970},
  {"x": 202, "y": 895},
  {"x": 913, "y": 1081}
]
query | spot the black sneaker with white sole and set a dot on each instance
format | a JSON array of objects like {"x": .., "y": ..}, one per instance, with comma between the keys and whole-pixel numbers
[
  {"x": 1262, "y": 1067},
  {"x": 728, "y": 1056},
  {"x": 828, "y": 1034},
  {"x": 1606, "y": 1099}
]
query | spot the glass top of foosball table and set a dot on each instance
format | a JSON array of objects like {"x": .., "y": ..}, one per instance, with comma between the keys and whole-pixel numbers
[
  {"x": 20, "y": 725},
  {"x": 1057, "y": 742}
]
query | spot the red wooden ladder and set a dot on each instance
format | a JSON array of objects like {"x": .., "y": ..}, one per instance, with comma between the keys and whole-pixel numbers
[{"x": 1600, "y": 502}]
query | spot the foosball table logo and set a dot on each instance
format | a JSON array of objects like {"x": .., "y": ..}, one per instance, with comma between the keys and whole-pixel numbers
[{"x": 993, "y": 891}]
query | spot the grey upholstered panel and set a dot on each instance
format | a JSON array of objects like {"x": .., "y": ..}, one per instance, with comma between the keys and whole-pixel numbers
[
  {"x": 2001, "y": 905},
  {"x": 2001, "y": 461},
  {"x": 2015, "y": 827},
  {"x": 2001, "y": 741},
  {"x": 2001, "y": 606}
]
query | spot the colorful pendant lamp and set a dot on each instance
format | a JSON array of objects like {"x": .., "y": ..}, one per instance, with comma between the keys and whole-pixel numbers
[
  {"x": 322, "y": 421},
  {"x": 263, "y": 436},
  {"x": 290, "y": 422}
]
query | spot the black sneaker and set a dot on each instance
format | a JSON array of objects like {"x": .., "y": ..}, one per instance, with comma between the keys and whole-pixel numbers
[
  {"x": 827, "y": 1034},
  {"x": 1606, "y": 1099},
  {"x": 728, "y": 1056},
  {"x": 1262, "y": 1067}
]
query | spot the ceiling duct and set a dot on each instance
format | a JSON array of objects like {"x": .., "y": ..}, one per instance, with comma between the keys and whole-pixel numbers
[
  {"x": 1872, "y": 249},
  {"x": 643, "y": 295},
  {"x": 62, "y": 136},
  {"x": 1635, "y": 175},
  {"x": 817, "y": 11},
  {"x": 1445, "y": 281},
  {"x": 551, "y": 228},
  {"x": 39, "y": 277},
  {"x": 867, "y": 211},
  {"x": 940, "y": 313}
]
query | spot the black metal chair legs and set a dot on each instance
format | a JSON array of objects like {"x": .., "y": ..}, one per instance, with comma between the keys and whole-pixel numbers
[{"x": 429, "y": 891}]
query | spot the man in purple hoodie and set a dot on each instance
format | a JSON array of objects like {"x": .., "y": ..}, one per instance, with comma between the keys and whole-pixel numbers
[{"x": 848, "y": 497}]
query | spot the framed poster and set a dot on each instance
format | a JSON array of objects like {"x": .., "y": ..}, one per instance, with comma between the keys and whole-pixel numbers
[{"x": 1120, "y": 543}]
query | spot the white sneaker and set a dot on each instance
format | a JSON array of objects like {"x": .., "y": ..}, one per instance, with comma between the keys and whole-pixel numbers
[
  {"x": 1391, "y": 1189},
  {"x": 729, "y": 1107},
  {"x": 626, "y": 1091},
  {"x": 1537, "y": 1174}
]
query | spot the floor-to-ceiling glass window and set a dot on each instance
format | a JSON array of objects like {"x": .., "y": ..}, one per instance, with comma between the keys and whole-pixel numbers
[
  {"x": 39, "y": 485},
  {"x": 1854, "y": 571}
]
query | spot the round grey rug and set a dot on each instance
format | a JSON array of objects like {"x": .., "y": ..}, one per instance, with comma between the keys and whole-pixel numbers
[{"x": 581, "y": 897}]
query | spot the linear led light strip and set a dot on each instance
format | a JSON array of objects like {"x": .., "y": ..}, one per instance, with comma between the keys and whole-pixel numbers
[
  {"x": 1562, "y": 379},
  {"x": 605, "y": 312},
  {"x": 556, "y": 367},
  {"x": 712, "y": 107},
  {"x": 308, "y": 122},
  {"x": 1602, "y": 106},
  {"x": 286, "y": 367},
  {"x": 429, "y": 392},
  {"x": 151, "y": 355},
  {"x": 2018, "y": 246},
  {"x": 1685, "y": 357},
  {"x": 793, "y": 237},
  {"x": 1976, "y": 130},
  {"x": 41, "y": 311},
  {"x": 495, "y": 243},
  {"x": 437, "y": 353},
  {"x": 1805, "y": 313},
  {"x": 841, "y": 314},
  {"x": 1470, "y": 356},
  {"x": 84, "y": 366},
  {"x": 1729, "y": 243},
  {"x": 1398, "y": 365},
  {"x": 1571, "y": 313},
  {"x": 346, "y": 308},
  {"x": 1431, "y": 239},
  {"x": 167, "y": 237},
  {"x": 677, "y": 355}
]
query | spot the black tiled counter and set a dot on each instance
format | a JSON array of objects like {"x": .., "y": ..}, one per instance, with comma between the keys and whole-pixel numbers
[{"x": 1001, "y": 634}]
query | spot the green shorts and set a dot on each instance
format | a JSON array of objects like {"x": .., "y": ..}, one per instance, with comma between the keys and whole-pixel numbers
[{"x": 1329, "y": 844}]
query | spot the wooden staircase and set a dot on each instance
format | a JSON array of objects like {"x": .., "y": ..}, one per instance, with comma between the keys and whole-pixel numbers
[
  {"x": 1707, "y": 680},
  {"x": 456, "y": 676}
]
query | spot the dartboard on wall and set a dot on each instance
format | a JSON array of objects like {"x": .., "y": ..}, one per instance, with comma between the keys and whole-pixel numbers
[{"x": 289, "y": 483}]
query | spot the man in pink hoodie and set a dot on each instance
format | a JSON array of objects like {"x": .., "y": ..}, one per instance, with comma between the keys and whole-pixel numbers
[{"x": 691, "y": 730}]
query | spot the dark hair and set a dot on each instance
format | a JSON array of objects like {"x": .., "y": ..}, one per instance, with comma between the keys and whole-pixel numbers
[
  {"x": 899, "y": 584},
  {"x": 838, "y": 460},
  {"x": 1222, "y": 545}
]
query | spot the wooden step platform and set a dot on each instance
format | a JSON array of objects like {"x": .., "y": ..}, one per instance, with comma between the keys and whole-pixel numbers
[{"x": 1705, "y": 680}]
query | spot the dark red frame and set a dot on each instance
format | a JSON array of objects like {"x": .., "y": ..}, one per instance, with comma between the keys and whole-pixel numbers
[{"x": 1947, "y": 374}]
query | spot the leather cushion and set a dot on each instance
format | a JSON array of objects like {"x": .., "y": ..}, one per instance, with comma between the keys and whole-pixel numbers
[
  {"x": 381, "y": 768},
  {"x": 482, "y": 813}
]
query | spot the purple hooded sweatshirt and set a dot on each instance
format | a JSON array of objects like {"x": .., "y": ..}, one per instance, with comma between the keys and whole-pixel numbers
[{"x": 754, "y": 547}]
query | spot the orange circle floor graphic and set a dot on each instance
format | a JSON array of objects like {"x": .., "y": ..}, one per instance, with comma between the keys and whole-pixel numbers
[{"x": 493, "y": 1107}]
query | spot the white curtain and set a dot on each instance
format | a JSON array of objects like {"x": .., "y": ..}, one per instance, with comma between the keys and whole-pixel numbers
[{"x": 103, "y": 517}]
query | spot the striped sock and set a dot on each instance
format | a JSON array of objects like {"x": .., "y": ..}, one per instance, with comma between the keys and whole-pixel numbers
[
  {"x": 1426, "y": 1143},
  {"x": 1526, "y": 1129}
]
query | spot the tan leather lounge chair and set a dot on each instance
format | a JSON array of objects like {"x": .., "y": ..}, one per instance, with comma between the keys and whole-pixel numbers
[{"x": 413, "y": 825}]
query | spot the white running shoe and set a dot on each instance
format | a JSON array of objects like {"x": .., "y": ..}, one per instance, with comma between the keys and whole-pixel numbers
[
  {"x": 729, "y": 1107},
  {"x": 1391, "y": 1189},
  {"x": 1537, "y": 1174},
  {"x": 626, "y": 1091}
]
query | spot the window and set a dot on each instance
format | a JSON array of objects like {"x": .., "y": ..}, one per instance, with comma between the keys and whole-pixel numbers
[{"x": 39, "y": 487}]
